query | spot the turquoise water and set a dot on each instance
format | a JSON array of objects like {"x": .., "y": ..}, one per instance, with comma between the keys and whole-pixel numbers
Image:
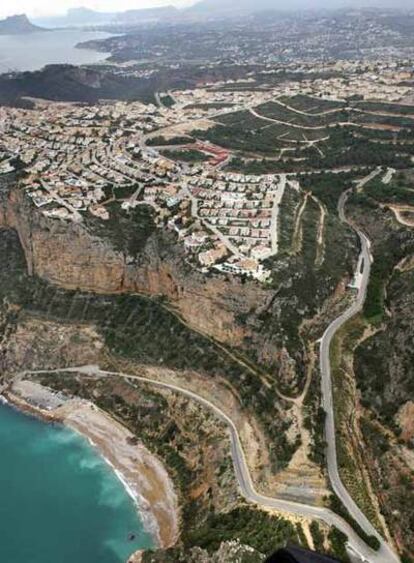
[{"x": 59, "y": 500}]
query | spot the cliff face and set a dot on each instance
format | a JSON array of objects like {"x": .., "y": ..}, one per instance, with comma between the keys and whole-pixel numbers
[
  {"x": 71, "y": 257},
  {"x": 62, "y": 254}
]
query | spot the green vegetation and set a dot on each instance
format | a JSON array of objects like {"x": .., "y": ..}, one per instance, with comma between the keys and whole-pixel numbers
[
  {"x": 280, "y": 113},
  {"x": 384, "y": 121},
  {"x": 190, "y": 155},
  {"x": 381, "y": 107},
  {"x": 383, "y": 364},
  {"x": 308, "y": 104},
  {"x": 290, "y": 203},
  {"x": 244, "y": 118},
  {"x": 294, "y": 274},
  {"x": 315, "y": 423},
  {"x": 124, "y": 192},
  {"x": 394, "y": 192},
  {"x": 244, "y": 554},
  {"x": 343, "y": 141},
  {"x": 337, "y": 506},
  {"x": 317, "y": 536},
  {"x": 237, "y": 86},
  {"x": 389, "y": 250},
  {"x": 386, "y": 256},
  {"x": 167, "y": 100},
  {"x": 345, "y": 149},
  {"x": 338, "y": 544},
  {"x": 208, "y": 106},
  {"x": 350, "y": 452},
  {"x": 374, "y": 303},
  {"x": 255, "y": 166},
  {"x": 308, "y": 232},
  {"x": 239, "y": 136},
  {"x": 160, "y": 141},
  {"x": 128, "y": 231},
  {"x": 301, "y": 536},
  {"x": 375, "y": 134},
  {"x": 327, "y": 187},
  {"x": 258, "y": 529},
  {"x": 392, "y": 479},
  {"x": 243, "y": 131}
]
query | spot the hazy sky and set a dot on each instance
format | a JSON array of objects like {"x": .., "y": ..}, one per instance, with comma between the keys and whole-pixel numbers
[
  {"x": 36, "y": 8},
  {"x": 52, "y": 7}
]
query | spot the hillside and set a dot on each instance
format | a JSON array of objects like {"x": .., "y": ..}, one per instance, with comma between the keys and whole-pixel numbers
[
  {"x": 85, "y": 16},
  {"x": 18, "y": 25},
  {"x": 377, "y": 360},
  {"x": 71, "y": 84}
]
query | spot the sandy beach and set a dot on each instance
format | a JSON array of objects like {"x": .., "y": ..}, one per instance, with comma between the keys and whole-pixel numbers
[{"x": 142, "y": 473}]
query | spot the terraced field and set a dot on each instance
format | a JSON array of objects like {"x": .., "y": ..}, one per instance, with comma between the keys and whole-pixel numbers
[
  {"x": 303, "y": 133},
  {"x": 310, "y": 105}
]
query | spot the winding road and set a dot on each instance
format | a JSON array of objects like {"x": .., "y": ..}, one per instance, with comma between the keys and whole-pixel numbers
[
  {"x": 385, "y": 553},
  {"x": 357, "y": 546}
]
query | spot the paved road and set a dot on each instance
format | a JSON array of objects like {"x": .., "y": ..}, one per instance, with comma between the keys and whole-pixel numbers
[
  {"x": 158, "y": 100},
  {"x": 358, "y": 547},
  {"x": 385, "y": 554}
]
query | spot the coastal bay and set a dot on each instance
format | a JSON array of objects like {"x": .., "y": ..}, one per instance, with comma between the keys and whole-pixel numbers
[
  {"x": 84, "y": 479},
  {"x": 33, "y": 51}
]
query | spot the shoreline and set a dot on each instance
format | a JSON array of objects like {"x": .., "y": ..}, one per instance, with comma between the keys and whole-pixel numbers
[
  {"x": 141, "y": 473},
  {"x": 98, "y": 56}
]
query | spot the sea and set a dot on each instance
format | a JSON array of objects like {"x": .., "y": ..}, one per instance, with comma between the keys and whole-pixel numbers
[
  {"x": 60, "y": 502},
  {"x": 33, "y": 51}
]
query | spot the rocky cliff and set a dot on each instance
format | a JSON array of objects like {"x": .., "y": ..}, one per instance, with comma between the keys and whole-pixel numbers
[
  {"x": 70, "y": 256},
  {"x": 260, "y": 321}
]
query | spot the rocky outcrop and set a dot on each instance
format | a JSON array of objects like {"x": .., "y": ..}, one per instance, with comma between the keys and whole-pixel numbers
[
  {"x": 18, "y": 25},
  {"x": 70, "y": 256}
]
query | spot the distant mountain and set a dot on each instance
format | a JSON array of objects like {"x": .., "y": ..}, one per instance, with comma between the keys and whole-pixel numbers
[
  {"x": 209, "y": 8},
  {"x": 214, "y": 6},
  {"x": 85, "y": 17},
  {"x": 148, "y": 14},
  {"x": 18, "y": 25},
  {"x": 204, "y": 10}
]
